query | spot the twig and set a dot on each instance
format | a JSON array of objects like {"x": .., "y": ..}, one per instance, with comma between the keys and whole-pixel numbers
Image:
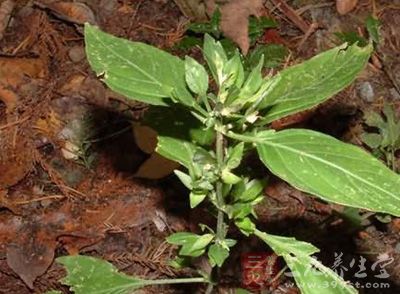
[
  {"x": 305, "y": 8},
  {"x": 292, "y": 15},
  {"x": 313, "y": 27},
  {"x": 14, "y": 123},
  {"x": 39, "y": 199}
]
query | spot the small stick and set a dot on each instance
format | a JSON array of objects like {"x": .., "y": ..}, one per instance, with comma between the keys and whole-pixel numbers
[
  {"x": 313, "y": 27},
  {"x": 14, "y": 123},
  {"x": 292, "y": 15}
]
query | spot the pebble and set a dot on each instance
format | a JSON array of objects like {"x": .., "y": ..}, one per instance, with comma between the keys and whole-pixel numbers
[
  {"x": 76, "y": 53},
  {"x": 366, "y": 91}
]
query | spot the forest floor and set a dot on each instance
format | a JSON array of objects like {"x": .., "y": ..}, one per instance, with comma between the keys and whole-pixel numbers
[{"x": 58, "y": 197}]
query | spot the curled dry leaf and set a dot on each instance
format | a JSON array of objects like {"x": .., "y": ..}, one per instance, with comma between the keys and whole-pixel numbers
[
  {"x": 235, "y": 20},
  {"x": 31, "y": 259},
  {"x": 74, "y": 12},
  {"x": 345, "y": 6},
  {"x": 156, "y": 166}
]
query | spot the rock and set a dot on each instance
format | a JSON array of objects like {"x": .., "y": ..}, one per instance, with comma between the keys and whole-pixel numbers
[
  {"x": 76, "y": 53},
  {"x": 366, "y": 91}
]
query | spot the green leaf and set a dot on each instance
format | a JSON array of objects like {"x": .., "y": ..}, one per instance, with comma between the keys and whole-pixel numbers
[
  {"x": 177, "y": 150},
  {"x": 53, "y": 292},
  {"x": 216, "y": 58},
  {"x": 197, "y": 247},
  {"x": 245, "y": 192},
  {"x": 229, "y": 177},
  {"x": 185, "y": 179},
  {"x": 241, "y": 210},
  {"x": 257, "y": 27},
  {"x": 88, "y": 275},
  {"x": 352, "y": 38},
  {"x": 217, "y": 254},
  {"x": 245, "y": 225},
  {"x": 372, "y": 140},
  {"x": 308, "y": 84},
  {"x": 252, "y": 83},
  {"x": 196, "y": 76},
  {"x": 233, "y": 73},
  {"x": 309, "y": 273},
  {"x": 373, "y": 119},
  {"x": 235, "y": 155},
  {"x": 330, "y": 169},
  {"x": 196, "y": 198},
  {"x": 136, "y": 70},
  {"x": 182, "y": 238},
  {"x": 177, "y": 122},
  {"x": 373, "y": 25},
  {"x": 242, "y": 291},
  {"x": 274, "y": 55}
]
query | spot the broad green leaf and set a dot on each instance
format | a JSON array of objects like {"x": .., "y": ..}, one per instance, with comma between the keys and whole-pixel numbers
[
  {"x": 177, "y": 150},
  {"x": 330, "y": 169},
  {"x": 216, "y": 58},
  {"x": 88, "y": 275},
  {"x": 217, "y": 254},
  {"x": 177, "y": 122},
  {"x": 308, "y": 84},
  {"x": 136, "y": 70},
  {"x": 53, "y": 292},
  {"x": 196, "y": 76},
  {"x": 311, "y": 276},
  {"x": 182, "y": 238}
]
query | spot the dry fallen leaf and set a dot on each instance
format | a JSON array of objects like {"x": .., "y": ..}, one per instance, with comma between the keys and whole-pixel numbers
[
  {"x": 74, "y": 12},
  {"x": 156, "y": 167},
  {"x": 31, "y": 257},
  {"x": 145, "y": 138},
  {"x": 6, "y": 9},
  {"x": 345, "y": 6},
  {"x": 235, "y": 20}
]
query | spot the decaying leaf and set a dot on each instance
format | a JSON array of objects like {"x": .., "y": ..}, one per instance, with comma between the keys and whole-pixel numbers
[
  {"x": 15, "y": 72},
  {"x": 156, "y": 167},
  {"x": 235, "y": 20},
  {"x": 345, "y": 6},
  {"x": 6, "y": 9},
  {"x": 31, "y": 257},
  {"x": 74, "y": 12},
  {"x": 145, "y": 138}
]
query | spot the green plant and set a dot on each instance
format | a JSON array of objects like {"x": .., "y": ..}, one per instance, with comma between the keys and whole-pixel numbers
[
  {"x": 233, "y": 121},
  {"x": 274, "y": 53},
  {"x": 386, "y": 141}
]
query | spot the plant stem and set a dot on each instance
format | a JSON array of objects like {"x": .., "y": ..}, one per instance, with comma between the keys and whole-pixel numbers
[
  {"x": 174, "y": 281},
  {"x": 220, "y": 200},
  {"x": 220, "y": 234}
]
